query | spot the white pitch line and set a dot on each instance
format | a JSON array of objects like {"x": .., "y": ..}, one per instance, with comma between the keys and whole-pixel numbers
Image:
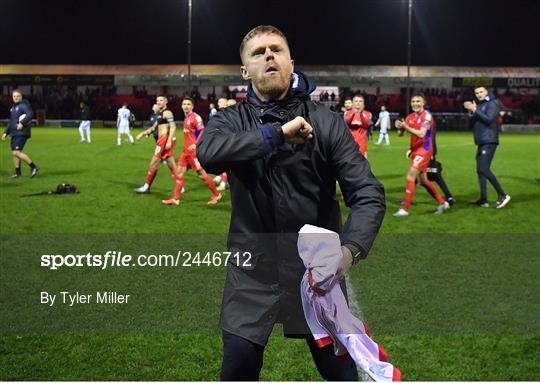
[
  {"x": 353, "y": 300},
  {"x": 354, "y": 306}
]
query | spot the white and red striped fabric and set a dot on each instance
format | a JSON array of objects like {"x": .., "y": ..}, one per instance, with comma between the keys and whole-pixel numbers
[{"x": 326, "y": 310}]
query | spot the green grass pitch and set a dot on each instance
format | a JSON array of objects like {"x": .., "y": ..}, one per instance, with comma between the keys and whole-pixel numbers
[{"x": 451, "y": 297}]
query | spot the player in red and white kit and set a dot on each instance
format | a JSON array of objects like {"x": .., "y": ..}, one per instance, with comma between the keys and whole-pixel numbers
[
  {"x": 165, "y": 144},
  {"x": 421, "y": 126},
  {"x": 359, "y": 121},
  {"x": 193, "y": 128},
  {"x": 347, "y": 109}
]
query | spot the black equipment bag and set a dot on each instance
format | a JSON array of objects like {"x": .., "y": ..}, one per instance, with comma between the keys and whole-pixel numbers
[{"x": 60, "y": 189}]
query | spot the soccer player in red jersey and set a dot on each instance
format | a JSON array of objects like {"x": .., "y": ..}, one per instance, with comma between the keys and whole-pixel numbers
[
  {"x": 164, "y": 147},
  {"x": 420, "y": 125},
  {"x": 193, "y": 128},
  {"x": 347, "y": 109},
  {"x": 358, "y": 122}
]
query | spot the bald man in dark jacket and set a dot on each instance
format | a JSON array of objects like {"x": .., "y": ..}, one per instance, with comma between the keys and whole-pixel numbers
[{"x": 20, "y": 130}]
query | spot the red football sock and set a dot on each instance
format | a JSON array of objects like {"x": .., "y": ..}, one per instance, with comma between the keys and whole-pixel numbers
[
  {"x": 210, "y": 183},
  {"x": 433, "y": 191},
  {"x": 151, "y": 175},
  {"x": 409, "y": 194},
  {"x": 224, "y": 177},
  {"x": 178, "y": 184}
]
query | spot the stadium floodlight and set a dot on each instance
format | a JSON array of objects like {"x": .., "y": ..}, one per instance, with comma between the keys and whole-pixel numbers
[
  {"x": 190, "y": 5},
  {"x": 409, "y": 44}
]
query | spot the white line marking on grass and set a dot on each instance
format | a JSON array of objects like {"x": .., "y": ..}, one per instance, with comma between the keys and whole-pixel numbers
[
  {"x": 354, "y": 306},
  {"x": 353, "y": 300}
]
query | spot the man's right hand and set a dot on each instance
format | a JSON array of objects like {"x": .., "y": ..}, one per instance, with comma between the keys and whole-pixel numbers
[
  {"x": 4, "y": 136},
  {"x": 297, "y": 131},
  {"x": 139, "y": 136}
]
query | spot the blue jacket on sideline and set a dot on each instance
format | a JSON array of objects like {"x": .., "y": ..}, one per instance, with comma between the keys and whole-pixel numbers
[{"x": 17, "y": 110}]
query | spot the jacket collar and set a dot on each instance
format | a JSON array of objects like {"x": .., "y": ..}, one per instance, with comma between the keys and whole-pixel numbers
[
  {"x": 301, "y": 87},
  {"x": 489, "y": 97}
]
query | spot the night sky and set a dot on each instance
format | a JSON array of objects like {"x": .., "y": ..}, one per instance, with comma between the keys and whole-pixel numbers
[{"x": 348, "y": 32}]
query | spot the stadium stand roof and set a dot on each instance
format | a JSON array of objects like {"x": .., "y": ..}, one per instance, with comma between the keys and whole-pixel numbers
[{"x": 334, "y": 70}]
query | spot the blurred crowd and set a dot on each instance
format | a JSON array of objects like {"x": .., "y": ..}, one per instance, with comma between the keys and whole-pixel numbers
[{"x": 62, "y": 101}]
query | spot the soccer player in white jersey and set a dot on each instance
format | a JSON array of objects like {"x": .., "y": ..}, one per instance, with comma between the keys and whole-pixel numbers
[
  {"x": 84, "y": 126},
  {"x": 122, "y": 123},
  {"x": 384, "y": 122}
]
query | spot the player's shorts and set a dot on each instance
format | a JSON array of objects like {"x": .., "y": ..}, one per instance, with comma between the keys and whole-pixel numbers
[
  {"x": 85, "y": 124},
  {"x": 123, "y": 127},
  {"x": 160, "y": 151},
  {"x": 420, "y": 159},
  {"x": 189, "y": 160},
  {"x": 18, "y": 142}
]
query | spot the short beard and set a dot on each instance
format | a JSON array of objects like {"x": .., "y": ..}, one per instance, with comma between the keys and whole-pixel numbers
[{"x": 274, "y": 88}]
